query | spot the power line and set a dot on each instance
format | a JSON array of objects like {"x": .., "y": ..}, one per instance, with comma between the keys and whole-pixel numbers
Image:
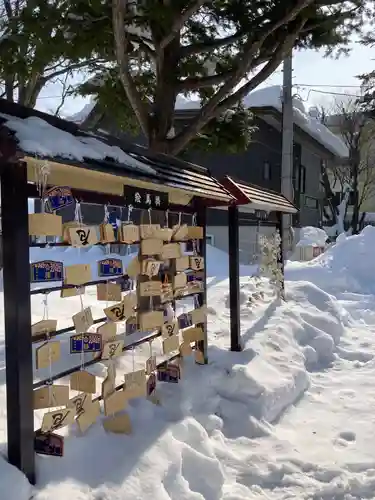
[
  {"x": 328, "y": 93},
  {"x": 328, "y": 86}
]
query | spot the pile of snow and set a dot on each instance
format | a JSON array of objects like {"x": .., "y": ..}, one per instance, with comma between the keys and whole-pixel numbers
[
  {"x": 39, "y": 138},
  {"x": 312, "y": 236},
  {"x": 277, "y": 420},
  {"x": 348, "y": 265}
]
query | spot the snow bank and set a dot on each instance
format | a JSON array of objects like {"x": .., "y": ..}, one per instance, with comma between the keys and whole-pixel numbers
[
  {"x": 348, "y": 265},
  {"x": 312, "y": 236}
]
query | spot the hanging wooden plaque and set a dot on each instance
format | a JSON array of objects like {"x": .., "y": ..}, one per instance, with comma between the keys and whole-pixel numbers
[
  {"x": 108, "y": 387},
  {"x": 184, "y": 320},
  {"x": 83, "y": 236},
  {"x": 151, "y": 267},
  {"x": 54, "y": 420},
  {"x": 136, "y": 391},
  {"x": 59, "y": 197},
  {"x": 79, "y": 403},
  {"x": 195, "y": 232},
  {"x": 151, "y": 365},
  {"x": 197, "y": 263},
  {"x": 166, "y": 292},
  {"x": 108, "y": 332},
  {"x": 147, "y": 231},
  {"x": 78, "y": 274},
  {"x": 115, "y": 403},
  {"x": 193, "y": 334},
  {"x": 67, "y": 226},
  {"x": 151, "y": 384},
  {"x": 171, "y": 251},
  {"x": 46, "y": 271},
  {"x": 169, "y": 372},
  {"x": 109, "y": 268},
  {"x": 83, "y": 320},
  {"x": 51, "y": 396},
  {"x": 198, "y": 315},
  {"x": 182, "y": 263},
  {"x": 107, "y": 233},
  {"x": 135, "y": 379},
  {"x": 131, "y": 325},
  {"x": 151, "y": 246},
  {"x": 118, "y": 312},
  {"x": 165, "y": 233},
  {"x": 112, "y": 349},
  {"x": 133, "y": 269},
  {"x": 199, "y": 357},
  {"x": 72, "y": 292},
  {"x": 150, "y": 289},
  {"x": 119, "y": 424},
  {"x": 151, "y": 319},
  {"x": 109, "y": 292},
  {"x": 83, "y": 382},
  {"x": 45, "y": 225},
  {"x": 171, "y": 344},
  {"x": 169, "y": 329},
  {"x": 89, "y": 416},
  {"x": 85, "y": 342},
  {"x": 179, "y": 281},
  {"x": 48, "y": 444},
  {"x": 47, "y": 353},
  {"x": 129, "y": 233},
  {"x": 130, "y": 300},
  {"x": 185, "y": 349},
  {"x": 45, "y": 326},
  {"x": 180, "y": 233}
]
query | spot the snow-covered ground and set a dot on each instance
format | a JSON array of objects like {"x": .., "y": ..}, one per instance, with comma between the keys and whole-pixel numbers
[{"x": 290, "y": 417}]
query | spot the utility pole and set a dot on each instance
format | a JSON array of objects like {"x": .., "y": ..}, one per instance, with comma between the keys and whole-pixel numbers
[{"x": 287, "y": 148}]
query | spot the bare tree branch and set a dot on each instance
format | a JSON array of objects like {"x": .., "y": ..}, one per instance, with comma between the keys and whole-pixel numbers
[
  {"x": 209, "y": 46},
  {"x": 121, "y": 48}
]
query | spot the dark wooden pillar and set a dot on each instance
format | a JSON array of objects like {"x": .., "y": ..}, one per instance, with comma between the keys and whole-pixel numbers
[
  {"x": 202, "y": 297},
  {"x": 17, "y": 318},
  {"x": 234, "y": 278}
]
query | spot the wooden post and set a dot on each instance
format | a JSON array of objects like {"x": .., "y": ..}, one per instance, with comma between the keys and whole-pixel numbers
[
  {"x": 234, "y": 278},
  {"x": 17, "y": 319},
  {"x": 202, "y": 297}
]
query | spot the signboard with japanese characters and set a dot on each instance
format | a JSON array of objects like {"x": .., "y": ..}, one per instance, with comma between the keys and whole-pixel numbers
[
  {"x": 59, "y": 197},
  {"x": 46, "y": 270},
  {"x": 145, "y": 198}
]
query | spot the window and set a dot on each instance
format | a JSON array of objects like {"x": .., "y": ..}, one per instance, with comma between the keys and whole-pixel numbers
[
  {"x": 302, "y": 179},
  {"x": 266, "y": 171},
  {"x": 210, "y": 239},
  {"x": 311, "y": 202}
]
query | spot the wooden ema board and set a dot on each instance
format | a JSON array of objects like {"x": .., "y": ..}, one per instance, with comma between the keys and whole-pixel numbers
[
  {"x": 193, "y": 334},
  {"x": 45, "y": 326},
  {"x": 133, "y": 268},
  {"x": 119, "y": 424},
  {"x": 114, "y": 403},
  {"x": 54, "y": 420},
  {"x": 83, "y": 320},
  {"x": 89, "y": 416},
  {"x": 180, "y": 233},
  {"x": 72, "y": 292},
  {"x": 179, "y": 281},
  {"x": 195, "y": 232},
  {"x": 46, "y": 271},
  {"x": 110, "y": 268},
  {"x": 48, "y": 444},
  {"x": 129, "y": 233},
  {"x": 165, "y": 234},
  {"x": 45, "y": 225},
  {"x": 182, "y": 263},
  {"x": 150, "y": 289},
  {"x": 147, "y": 231},
  {"x": 151, "y": 267},
  {"x": 151, "y": 246},
  {"x": 171, "y": 251},
  {"x": 107, "y": 233},
  {"x": 110, "y": 292},
  {"x": 51, "y": 396},
  {"x": 117, "y": 312},
  {"x": 150, "y": 320},
  {"x": 112, "y": 349},
  {"x": 171, "y": 344},
  {"x": 198, "y": 315},
  {"x": 83, "y": 382},
  {"x": 59, "y": 197},
  {"x": 47, "y": 354},
  {"x": 108, "y": 332},
  {"x": 78, "y": 274},
  {"x": 169, "y": 329},
  {"x": 196, "y": 263},
  {"x": 185, "y": 349},
  {"x": 83, "y": 236},
  {"x": 79, "y": 403},
  {"x": 151, "y": 365}
]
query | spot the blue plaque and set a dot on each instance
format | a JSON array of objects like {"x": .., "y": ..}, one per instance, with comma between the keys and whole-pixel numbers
[
  {"x": 169, "y": 372},
  {"x": 92, "y": 342},
  {"x": 110, "y": 267},
  {"x": 48, "y": 444},
  {"x": 46, "y": 270},
  {"x": 184, "y": 320},
  {"x": 59, "y": 197}
]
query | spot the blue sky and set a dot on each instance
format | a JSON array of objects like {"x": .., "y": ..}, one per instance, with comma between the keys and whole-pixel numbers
[{"x": 310, "y": 68}]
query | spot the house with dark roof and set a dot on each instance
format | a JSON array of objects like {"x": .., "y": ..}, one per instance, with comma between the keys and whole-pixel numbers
[{"x": 260, "y": 164}]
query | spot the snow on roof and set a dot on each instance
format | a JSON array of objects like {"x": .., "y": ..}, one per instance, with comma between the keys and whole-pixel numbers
[
  {"x": 38, "y": 137},
  {"x": 271, "y": 97},
  {"x": 83, "y": 113}
]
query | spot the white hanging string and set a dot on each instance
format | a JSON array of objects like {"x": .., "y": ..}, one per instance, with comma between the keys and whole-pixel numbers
[
  {"x": 179, "y": 218},
  {"x": 167, "y": 218},
  {"x": 195, "y": 242},
  {"x": 45, "y": 317},
  {"x": 78, "y": 213},
  {"x": 82, "y": 350},
  {"x": 149, "y": 216},
  {"x": 133, "y": 359}
]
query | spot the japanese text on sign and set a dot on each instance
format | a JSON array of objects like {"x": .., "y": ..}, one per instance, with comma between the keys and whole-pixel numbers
[
  {"x": 59, "y": 197},
  {"x": 143, "y": 198},
  {"x": 46, "y": 270},
  {"x": 110, "y": 267}
]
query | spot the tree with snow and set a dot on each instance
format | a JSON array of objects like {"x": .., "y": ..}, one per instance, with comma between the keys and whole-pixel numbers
[
  {"x": 354, "y": 177},
  {"x": 218, "y": 51}
]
